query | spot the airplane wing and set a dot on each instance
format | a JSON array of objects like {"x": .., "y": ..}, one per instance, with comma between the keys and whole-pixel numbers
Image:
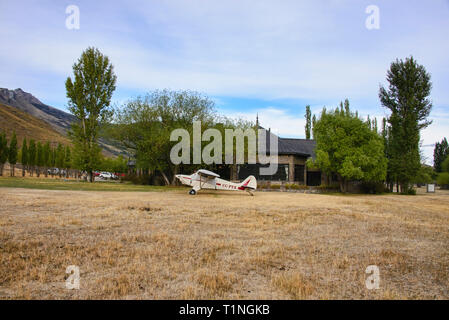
[{"x": 207, "y": 173}]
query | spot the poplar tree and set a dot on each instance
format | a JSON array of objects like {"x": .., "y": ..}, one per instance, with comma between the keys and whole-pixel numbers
[
  {"x": 12, "y": 153},
  {"x": 24, "y": 156},
  {"x": 4, "y": 153},
  {"x": 440, "y": 153},
  {"x": 32, "y": 153},
  {"x": 308, "y": 117},
  {"x": 60, "y": 155},
  {"x": 313, "y": 125},
  {"x": 53, "y": 161},
  {"x": 89, "y": 95},
  {"x": 46, "y": 157},
  {"x": 407, "y": 97},
  {"x": 39, "y": 158},
  {"x": 67, "y": 160}
]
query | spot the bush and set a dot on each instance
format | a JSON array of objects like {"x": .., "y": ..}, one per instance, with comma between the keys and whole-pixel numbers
[
  {"x": 276, "y": 186},
  {"x": 411, "y": 192},
  {"x": 287, "y": 186},
  {"x": 373, "y": 187},
  {"x": 328, "y": 188},
  {"x": 443, "y": 180},
  {"x": 299, "y": 187},
  {"x": 138, "y": 179}
]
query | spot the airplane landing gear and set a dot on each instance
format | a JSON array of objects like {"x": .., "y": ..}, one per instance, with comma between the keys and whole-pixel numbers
[{"x": 192, "y": 192}]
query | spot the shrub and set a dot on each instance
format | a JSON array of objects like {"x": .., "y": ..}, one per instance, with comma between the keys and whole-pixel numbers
[
  {"x": 275, "y": 186},
  {"x": 138, "y": 179},
  {"x": 373, "y": 187},
  {"x": 328, "y": 188},
  {"x": 443, "y": 180},
  {"x": 299, "y": 187},
  {"x": 411, "y": 192},
  {"x": 287, "y": 186}
]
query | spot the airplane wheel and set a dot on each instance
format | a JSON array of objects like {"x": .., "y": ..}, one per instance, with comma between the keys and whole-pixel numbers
[{"x": 192, "y": 192}]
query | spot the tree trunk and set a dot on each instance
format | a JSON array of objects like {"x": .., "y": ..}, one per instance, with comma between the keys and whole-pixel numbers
[
  {"x": 23, "y": 170},
  {"x": 175, "y": 172},
  {"x": 342, "y": 183},
  {"x": 91, "y": 176},
  {"x": 12, "y": 169},
  {"x": 38, "y": 172},
  {"x": 1, "y": 169},
  {"x": 167, "y": 182}
]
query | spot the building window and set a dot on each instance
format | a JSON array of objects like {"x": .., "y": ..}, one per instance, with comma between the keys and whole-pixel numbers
[
  {"x": 245, "y": 170},
  {"x": 313, "y": 178},
  {"x": 299, "y": 173}
]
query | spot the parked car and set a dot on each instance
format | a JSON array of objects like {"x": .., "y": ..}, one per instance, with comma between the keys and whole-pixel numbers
[
  {"x": 106, "y": 175},
  {"x": 55, "y": 171}
]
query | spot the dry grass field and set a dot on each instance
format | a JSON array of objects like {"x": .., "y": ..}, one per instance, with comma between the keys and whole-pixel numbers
[{"x": 169, "y": 245}]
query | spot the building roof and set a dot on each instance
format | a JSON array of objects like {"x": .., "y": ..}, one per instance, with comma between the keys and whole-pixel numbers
[
  {"x": 302, "y": 147},
  {"x": 292, "y": 146}
]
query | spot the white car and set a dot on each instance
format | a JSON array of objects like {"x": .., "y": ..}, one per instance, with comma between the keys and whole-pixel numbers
[{"x": 106, "y": 175}]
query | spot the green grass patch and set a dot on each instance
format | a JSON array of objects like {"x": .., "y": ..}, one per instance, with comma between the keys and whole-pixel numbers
[{"x": 61, "y": 184}]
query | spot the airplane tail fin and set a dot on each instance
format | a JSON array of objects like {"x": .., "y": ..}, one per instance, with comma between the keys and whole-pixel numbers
[{"x": 249, "y": 183}]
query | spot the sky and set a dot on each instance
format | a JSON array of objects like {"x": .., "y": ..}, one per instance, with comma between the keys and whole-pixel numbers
[{"x": 270, "y": 58}]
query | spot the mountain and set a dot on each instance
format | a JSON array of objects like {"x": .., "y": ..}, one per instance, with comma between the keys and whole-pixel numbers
[
  {"x": 58, "y": 120},
  {"x": 26, "y": 102},
  {"x": 28, "y": 126}
]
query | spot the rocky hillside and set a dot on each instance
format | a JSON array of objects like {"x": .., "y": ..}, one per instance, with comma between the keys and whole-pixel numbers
[
  {"x": 28, "y": 126},
  {"x": 26, "y": 102},
  {"x": 58, "y": 120}
]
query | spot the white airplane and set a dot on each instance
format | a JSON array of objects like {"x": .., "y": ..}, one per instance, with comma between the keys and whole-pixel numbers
[{"x": 205, "y": 179}]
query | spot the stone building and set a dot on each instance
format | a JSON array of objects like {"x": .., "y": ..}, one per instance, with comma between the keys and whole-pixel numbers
[{"x": 292, "y": 157}]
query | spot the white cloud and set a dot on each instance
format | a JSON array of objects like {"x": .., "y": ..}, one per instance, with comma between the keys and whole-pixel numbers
[
  {"x": 278, "y": 120},
  {"x": 317, "y": 51},
  {"x": 299, "y": 50}
]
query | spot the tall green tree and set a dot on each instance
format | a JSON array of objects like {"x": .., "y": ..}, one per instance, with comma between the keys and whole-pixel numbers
[
  {"x": 443, "y": 176},
  {"x": 346, "y": 147},
  {"x": 308, "y": 117},
  {"x": 39, "y": 158},
  {"x": 347, "y": 109},
  {"x": 47, "y": 157},
  {"x": 53, "y": 160},
  {"x": 390, "y": 179},
  {"x": 407, "y": 97},
  {"x": 89, "y": 95},
  {"x": 24, "y": 156},
  {"x": 374, "y": 123},
  {"x": 32, "y": 156},
  {"x": 67, "y": 160},
  {"x": 440, "y": 153},
  {"x": 13, "y": 152},
  {"x": 313, "y": 125},
  {"x": 4, "y": 152},
  {"x": 60, "y": 158},
  {"x": 144, "y": 127}
]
